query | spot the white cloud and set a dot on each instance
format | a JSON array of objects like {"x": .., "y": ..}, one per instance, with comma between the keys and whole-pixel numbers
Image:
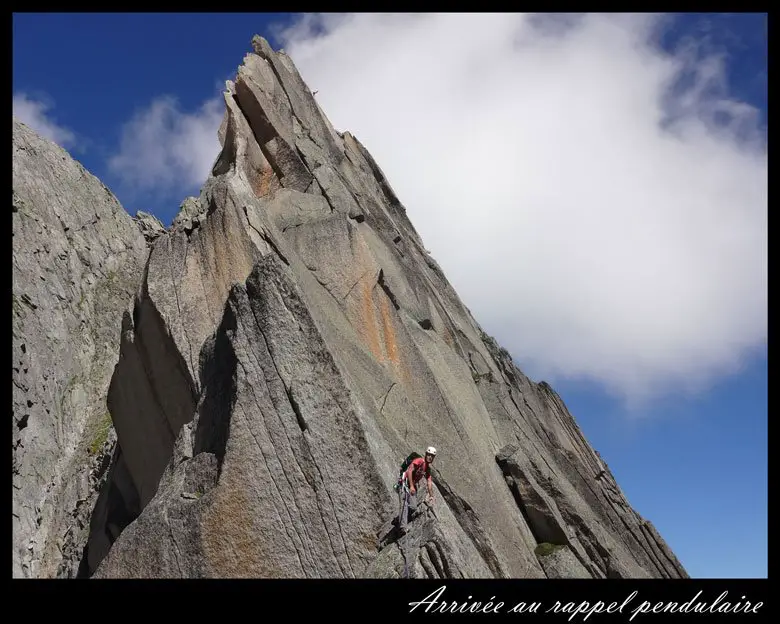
[
  {"x": 164, "y": 149},
  {"x": 34, "y": 113},
  {"x": 595, "y": 219}
]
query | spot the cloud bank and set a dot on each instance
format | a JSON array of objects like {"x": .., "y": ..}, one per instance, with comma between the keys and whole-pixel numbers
[
  {"x": 35, "y": 114},
  {"x": 599, "y": 205},
  {"x": 166, "y": 150}
]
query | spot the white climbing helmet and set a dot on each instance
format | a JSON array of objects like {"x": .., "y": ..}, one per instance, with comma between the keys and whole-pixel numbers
[{"x": 430, "y": 451}]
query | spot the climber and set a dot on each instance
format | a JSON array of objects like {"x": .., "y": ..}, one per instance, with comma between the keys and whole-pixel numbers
[{"x": 419, "y": 467}]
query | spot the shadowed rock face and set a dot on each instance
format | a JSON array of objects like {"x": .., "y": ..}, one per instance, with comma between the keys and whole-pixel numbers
[{"x": 290, "y": 343}]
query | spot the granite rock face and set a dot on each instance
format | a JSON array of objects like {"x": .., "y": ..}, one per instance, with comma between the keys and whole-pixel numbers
[
  {"x": 290, "y": 342},
  {"x": 150, "y": 226},
  {"x": 77, "y": 260},
  {"x": 559, "y": 561}
]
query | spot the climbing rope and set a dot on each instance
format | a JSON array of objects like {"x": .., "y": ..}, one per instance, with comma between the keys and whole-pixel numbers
[{"x": 404, "y": 510}]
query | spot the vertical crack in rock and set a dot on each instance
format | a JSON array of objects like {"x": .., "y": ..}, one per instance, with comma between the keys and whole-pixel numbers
[
  {"x": 259, "y": 108},
  {"x": 287, "y": 389},
  {"x": 469, "y": 521},
  {"x": 384, "y": 398},
  {"x": 174, "y": 286},
  {"x": 218, "y": 364},
  {"x": 259, "y": 298},
  {"x": 176, "y": 551},
  {"x": 386, "y": 288},
  {"x": 264, "y": 235},
  {"x": 298, "y": 415},
  {"x": 289, "y": 525},
  {"x": 262, "y": 130},
  {"x": 433, "y": 557},
  {"x": 427, "y": 565}
]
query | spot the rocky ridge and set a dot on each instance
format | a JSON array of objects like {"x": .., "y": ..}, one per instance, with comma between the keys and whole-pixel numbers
[{"x": 279, "y": 350}]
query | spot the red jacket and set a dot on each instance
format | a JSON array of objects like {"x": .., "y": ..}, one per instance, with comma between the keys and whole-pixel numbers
[{"x": 418, "y": 470}]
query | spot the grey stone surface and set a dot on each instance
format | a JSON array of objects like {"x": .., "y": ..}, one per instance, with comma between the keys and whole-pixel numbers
[
  {"x": 291, "y": 209},
  {"x": 560, "y": 562},
  {"x": 189, "y": 210},
  {"x": 77, "y": 260},
  {"x": 151, "y": 227},
  {"x": 156, "y": 384},
  {"x": 307, "y": 115},
  {"x": 297, "y": 493},
  {"x": 291, "y": 342}
]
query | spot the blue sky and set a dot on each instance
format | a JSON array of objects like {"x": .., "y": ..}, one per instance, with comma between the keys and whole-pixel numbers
[{"x": 654, "y": 335}]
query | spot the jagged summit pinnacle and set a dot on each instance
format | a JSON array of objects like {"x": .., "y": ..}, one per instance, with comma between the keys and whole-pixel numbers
[{"x": 288, "y": 343}]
